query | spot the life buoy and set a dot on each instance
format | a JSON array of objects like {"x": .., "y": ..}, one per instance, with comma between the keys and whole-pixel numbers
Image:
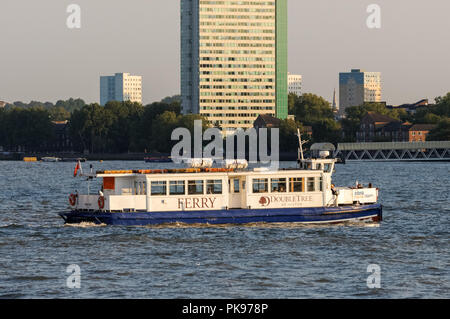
[
  {"x": 101, "y": 202},
  {"x": 72, "y": 199}
]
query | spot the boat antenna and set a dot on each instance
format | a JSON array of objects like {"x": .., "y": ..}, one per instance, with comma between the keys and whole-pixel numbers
[{"x": 301, "y": 156}]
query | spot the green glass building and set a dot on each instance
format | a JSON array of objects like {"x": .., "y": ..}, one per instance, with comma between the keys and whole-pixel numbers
[
  {"x": 234, "y": 60},
  {"x": 282, "y": 59}
]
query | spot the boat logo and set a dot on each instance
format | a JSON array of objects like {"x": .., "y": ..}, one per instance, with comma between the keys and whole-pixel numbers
[{"x": 264, "y": 201}]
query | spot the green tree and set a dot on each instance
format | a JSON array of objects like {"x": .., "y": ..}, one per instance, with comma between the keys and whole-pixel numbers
[
  {"x": 71, "y": 104},
  {"x": 58, "y": 113},
  {"x": 3, "y": 132},
  {"x": 162, "y": 127},
  {"x": 349, "y": 128},
  {"x": 327, "y": 130},
  {"x": 143, "y": 133},
  {"x": 124, "y": 120},
  {"x": 441, "y": 132},
  {"x": 172, "y": 100},
  {"x": 358, "y": 112},
  {"x": 310, "y": 108},
  {"x": 89, "y": 127},
  {"x": 288, "y": 135},
  {"x": 164, "y": 124},
  {"x": 29, "y": 129},
  {"x": 443, "y": 106}
]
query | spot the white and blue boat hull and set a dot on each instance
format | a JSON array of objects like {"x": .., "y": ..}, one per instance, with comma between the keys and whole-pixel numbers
[{"x": 239, "y": 216}]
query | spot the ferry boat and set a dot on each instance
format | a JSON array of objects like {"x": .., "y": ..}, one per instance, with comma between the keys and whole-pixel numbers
[{"x": 233, "y": 194}]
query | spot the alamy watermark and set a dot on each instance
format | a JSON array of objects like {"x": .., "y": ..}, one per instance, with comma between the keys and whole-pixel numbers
[
  {"x": 74, "y": 280},
  {"x": 374, "y": 280},
  {"x": 74, "y": 19},
  {"x": 258, "y": 145},
  {"x": 374, "y": 19}
]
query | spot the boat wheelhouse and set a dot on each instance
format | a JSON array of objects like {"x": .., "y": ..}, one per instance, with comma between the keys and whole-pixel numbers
[{"x": 232, "y": 195}]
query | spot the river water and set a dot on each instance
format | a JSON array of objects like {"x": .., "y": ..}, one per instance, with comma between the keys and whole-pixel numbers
[{"x": 411, "y": 246}]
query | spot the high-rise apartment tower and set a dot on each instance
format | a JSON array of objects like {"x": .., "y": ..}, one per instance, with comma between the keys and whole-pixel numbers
[{"x": 234, "y": 60}]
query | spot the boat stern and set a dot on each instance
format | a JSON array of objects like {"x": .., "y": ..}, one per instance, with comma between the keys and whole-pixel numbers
[{"x": 379, "y": 217}]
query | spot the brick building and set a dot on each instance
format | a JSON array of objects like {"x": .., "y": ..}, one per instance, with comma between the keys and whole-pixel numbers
[
  {"x": 419, "y": 132},
  {"x": 376, "y": 127}
]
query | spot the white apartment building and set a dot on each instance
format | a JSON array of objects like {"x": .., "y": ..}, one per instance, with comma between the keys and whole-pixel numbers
[
  {"x": 120, "y": 87},
  {"x": 234, "y": 60},
  {"x": 357, "y": 87},
  {"x": 295, "y": 84}
]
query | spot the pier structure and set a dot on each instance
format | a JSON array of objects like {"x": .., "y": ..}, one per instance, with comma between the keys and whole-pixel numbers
[{"x": 394, "y": 151}]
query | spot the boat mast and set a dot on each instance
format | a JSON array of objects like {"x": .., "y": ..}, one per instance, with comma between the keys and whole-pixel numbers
[{"x": 300, "y": 143}]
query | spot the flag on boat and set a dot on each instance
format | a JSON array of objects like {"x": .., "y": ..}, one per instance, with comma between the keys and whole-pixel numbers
[{"x": 78, "y": 167}]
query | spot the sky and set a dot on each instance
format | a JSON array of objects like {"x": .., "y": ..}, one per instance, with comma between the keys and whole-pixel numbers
[{"x": 42, "y": 59}]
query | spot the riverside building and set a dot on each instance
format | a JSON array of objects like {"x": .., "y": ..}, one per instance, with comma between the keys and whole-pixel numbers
[
  {"x": 120, "y": 87},
  {"x": 295, "y": 84},
  {"x": 357, "y": 87},
  {"x": 234, "y": 60}
]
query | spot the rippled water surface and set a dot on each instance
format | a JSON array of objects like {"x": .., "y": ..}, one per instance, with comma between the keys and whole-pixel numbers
[{"x": 411, "y": 245}]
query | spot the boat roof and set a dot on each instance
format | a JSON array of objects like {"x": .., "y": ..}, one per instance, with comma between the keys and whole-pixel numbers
[{"x": 192, "y": 171}]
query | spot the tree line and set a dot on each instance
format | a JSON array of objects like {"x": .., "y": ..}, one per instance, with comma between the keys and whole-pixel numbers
[
  {"x": 315, "y": 111},
  {"x": 121, "y": 127},
  {"x": 60, "y": 111}
]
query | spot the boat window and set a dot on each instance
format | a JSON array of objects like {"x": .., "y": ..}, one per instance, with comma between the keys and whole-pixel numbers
[
  {"x": 260, "y": 185},
  {"x": 278, "y": 185},
  {"x": 159, "y": 188},
  {"x": 296, "y": 185},
  {"x": 236, "y": 185},
  {"x": 214, "y": 187},
  {"x": 177, "y": 188},
  {"x": 327, "y": 168},
  {"x": 195, "y": 187},
  {"x": 311, "y": 184},
  {"x": 320, "y": 183}
]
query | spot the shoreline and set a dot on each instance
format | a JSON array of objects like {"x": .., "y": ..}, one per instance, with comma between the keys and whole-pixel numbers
[{"x": 15, "y": 156}]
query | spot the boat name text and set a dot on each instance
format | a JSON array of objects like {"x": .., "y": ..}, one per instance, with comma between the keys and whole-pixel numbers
[
  {"x": 192, "y": 203},
  {"x": 267, "y": 200}
]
